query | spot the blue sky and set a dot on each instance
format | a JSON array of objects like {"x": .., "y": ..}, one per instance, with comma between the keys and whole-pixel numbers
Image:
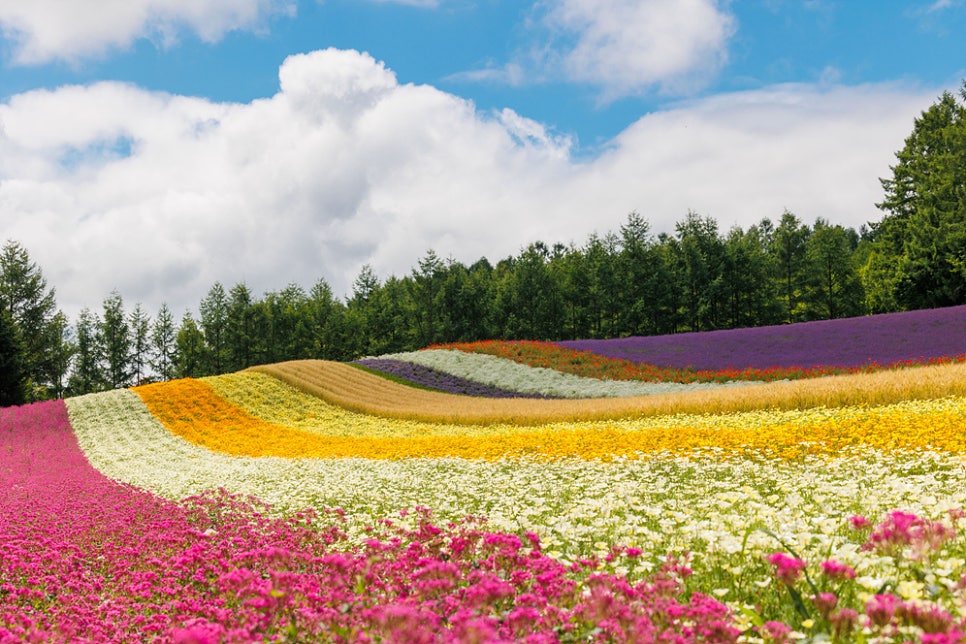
[{"x": 159, "y": 134}]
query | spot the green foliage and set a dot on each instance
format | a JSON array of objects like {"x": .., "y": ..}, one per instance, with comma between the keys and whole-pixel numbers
[
  {"x": 87, "y": 375},
  {"x": 835, "y": 287},
  {"x": 189, "y": 349},
  {"x": 919, "y": 258},
  {"x": 214, "y": 324},
  {"x": 788, "y": 250},
  {"x": 32, "y": 309},
  {"x": 163, "y": 344},
  {"x": 13, "y": 381},
  {"x": 115, "y": 336}
]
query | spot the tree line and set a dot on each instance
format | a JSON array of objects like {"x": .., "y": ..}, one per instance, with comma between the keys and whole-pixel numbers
[{"x": 628, "y": 282}]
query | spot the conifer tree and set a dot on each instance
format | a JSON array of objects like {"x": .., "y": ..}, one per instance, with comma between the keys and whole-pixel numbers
[{"x": 12, "y": 374}]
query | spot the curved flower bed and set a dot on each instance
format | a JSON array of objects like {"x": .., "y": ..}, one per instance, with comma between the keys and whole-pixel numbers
[
  {"x": 506, "y": 373},
  {"x": 886, "y": 339},
  {"x": 193, "y": 410},
  {"x": 732, "y": 515},
  {"x": 599, "y": 359},
  {"x": 425, "y": 376}
]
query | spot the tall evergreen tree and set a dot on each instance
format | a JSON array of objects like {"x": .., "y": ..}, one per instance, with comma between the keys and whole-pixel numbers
[
  {"x": 115, "y": 333},
  {"x": 700, "y": 256},
  {"x": 31, "y": 305},
  {"x": 835, "y": 290},
  {"x": 240, "y": 329},
  {"x": 424, "y": 289},
  {"x": 140, "y": 325},
  {"x": 920, "y": 249},
  {"x": 62, "y": 349},
  {"x": 13, "y": 380},
  {"x": 189, "y": 349},
  {"x": 324, "y": 319},
  {"x": 163, "y": 338},
  {"x": 637, "y": 276},
  {"x": 788, "y": 250},
  {"x": 87, "y": 376},
  {"x": 214, "y": 325}
]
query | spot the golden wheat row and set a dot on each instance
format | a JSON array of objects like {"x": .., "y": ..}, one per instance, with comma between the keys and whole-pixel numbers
[{"x": 351, "y": 388}]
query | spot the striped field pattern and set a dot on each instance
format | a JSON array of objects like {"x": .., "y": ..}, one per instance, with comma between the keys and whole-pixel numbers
[{"x": 808, "y": 508}]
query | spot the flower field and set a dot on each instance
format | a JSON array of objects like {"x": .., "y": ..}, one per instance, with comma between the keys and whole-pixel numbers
[
  {"x": 856, "y": 342},
  {"x": 315, "y": 501}
]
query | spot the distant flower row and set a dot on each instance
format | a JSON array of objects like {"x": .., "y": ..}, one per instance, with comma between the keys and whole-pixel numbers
[
  {"x": 887, "y": 339},
  {"x": 590, "y": 364}
]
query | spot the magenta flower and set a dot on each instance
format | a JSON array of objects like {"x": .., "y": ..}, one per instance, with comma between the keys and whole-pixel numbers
[
  {"x": 859, "y": 522},
  {"x": 825, "y": 603},
  {"x": 881, "y": 609},
  {"x": 837, "y": 571},
  {"x": 902, "y": 529},
  {"x": 777, "y": 632},
  {"x": 787, "y": 568}
]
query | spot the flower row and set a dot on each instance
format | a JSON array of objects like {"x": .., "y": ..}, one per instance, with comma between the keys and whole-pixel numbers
[
  {"x": 610, "y": 365},
  {"x": 242, "y": 424},
  {"x": 506, "y": 374},
  {"x": 916, "y": 336}
]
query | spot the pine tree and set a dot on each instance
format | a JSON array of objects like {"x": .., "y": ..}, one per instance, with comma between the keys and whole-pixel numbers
[
  {"x": 919, "y": 252},
  {"x": 13, "y": 390},
  {"x": 32, "y": 307}
]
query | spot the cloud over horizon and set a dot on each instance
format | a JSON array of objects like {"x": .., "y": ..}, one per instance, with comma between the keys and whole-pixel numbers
[{"x": 158, "y": 195}]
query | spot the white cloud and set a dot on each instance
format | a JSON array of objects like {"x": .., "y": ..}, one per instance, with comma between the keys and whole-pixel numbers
[
  {"x": 46, "y": 30},
  {"x": 621, "y": 47},
  {"x": 630, "y": 47},
  {"x": 109, "y": 186}
]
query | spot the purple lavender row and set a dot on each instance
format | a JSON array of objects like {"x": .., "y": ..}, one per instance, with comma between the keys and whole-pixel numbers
[
  {"x": 440, "y": 380},
  {"x": 848, "y": 342}
]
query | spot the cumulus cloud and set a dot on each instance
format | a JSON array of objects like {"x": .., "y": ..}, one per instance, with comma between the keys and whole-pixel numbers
[
  {"x": 631, "y": 46},
  {"x": 46, "y": 30},
  {"x": 621, "y": 47},
  {"x": 160, "y": 196}
]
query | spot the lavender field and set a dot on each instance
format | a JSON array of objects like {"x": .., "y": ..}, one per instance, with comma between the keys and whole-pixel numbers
[{"x": 848, "y": 342}]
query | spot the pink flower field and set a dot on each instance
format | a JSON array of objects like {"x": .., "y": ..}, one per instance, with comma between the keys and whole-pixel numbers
[{"x": 86, "y": 559}]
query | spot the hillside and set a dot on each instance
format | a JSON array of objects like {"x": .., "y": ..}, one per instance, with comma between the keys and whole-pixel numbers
[{"x": 398, "y": 512}]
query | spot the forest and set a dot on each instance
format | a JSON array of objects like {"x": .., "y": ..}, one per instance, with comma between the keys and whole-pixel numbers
[{"x": 622, "y": 283}]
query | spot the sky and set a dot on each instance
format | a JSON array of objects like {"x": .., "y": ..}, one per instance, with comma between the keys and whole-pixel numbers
[{"x": 156, "y": 147}]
